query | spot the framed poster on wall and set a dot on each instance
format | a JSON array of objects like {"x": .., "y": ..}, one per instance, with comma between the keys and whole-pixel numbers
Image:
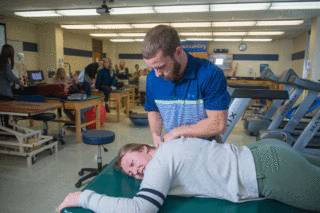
[{"x": 3, "y": 36}]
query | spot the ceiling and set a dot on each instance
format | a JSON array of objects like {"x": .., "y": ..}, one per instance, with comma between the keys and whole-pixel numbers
[{"x": 9, "y": 6}]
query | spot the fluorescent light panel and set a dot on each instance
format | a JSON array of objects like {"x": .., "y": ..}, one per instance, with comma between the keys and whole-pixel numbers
[
  {"x": 122, "y": 40},
  {"x": 133, "y": 34},
  {"x": 233, "y": 23},
  {"x": 147, "y": 25},
  {"x": 131, "y": 10},
  {"x": 229, "y": 33},
  {"x": 83, "y": 12},
  {"x": 199, "y": 39},
  {"x": 79, "y": 27},
  {"x": 227, "y": 39},
  {"x": 139, "y": 39},
  {"x": 257, "y": 39},
  {"x": 182, "y": 9},
  {"x": 191, "y": 24},
  {"x": 114, "y": 26},
  {"x": 295, "y": 5},
  {"x": 43, "y": 13},
  {"x": 196, "y": 34},
  {"x": 266, "y": 33},
  {"x": 239, "y": 7},
  {"x": 279, "y": 23},
  {"x": 104, "y": 34}
]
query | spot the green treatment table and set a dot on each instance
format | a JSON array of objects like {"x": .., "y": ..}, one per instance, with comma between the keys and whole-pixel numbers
[{"x": 114, "y": 183}]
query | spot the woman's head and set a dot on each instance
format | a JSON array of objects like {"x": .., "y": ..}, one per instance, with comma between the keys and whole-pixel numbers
[
  {"x": 136, "y": 67},
  {"x": 133, "y": 158},
  {"x": 107, "y": 63},
  {"x": 122, "y": 64},
  {"x": 7, "y": 52},
  {"x": 61, "y": 74}
]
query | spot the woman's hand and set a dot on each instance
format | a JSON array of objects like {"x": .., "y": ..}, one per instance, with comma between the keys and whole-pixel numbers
[
  {"x": 72, "y": 200},
  {"x": 113, "y": 88}
]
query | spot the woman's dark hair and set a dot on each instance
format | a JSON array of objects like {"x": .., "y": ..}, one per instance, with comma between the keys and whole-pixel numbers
[{"x": 7, "y": 53}]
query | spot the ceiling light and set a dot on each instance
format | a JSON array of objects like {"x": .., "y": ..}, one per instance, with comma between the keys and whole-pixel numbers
[
  {"x": 139, "y": 39},
  {"x": 79, "y": 27},
  {"x": 122, "y": 40},
  {"x": 266, "y": 33},
  {"x": 133, "y": 34},
  {"x": 43, "y": 13},
  {"x": 84, "y": 12},
  {"x": 239, "y": 7},
  {"x": 233, "y": 23},
  {"x": 182, "y": 9},
  {"x": 199, "y": 39},
  {"x": 258, "y": 39},
  {"x": 147, "y": 25},
  {"x": 114, "y": 26},
  {"x": 295, "y": 5},
  {"x": 229, "y": 33},
  {"x": 227, "y": 39},
  {"x": 104, "y": 34},
  {"x": 279, "y": 23},
  {"x": 191, "y": 24},
  {"x": 196, "y": 34},
  {"x": 131, "y": 10}
]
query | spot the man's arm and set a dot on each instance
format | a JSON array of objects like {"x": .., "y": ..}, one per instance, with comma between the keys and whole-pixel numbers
[
  {"x": 215, "y": 124},
  {"x": 155, "y": 123}
]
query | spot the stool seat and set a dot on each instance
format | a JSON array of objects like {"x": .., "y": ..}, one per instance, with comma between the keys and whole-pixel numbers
[
  {"x": 44, "y": 116},
  {"x": 98, "y": 137}
]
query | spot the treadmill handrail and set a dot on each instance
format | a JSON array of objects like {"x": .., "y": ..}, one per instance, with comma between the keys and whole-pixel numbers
[
  {"x": 258, "y": 93},
  {"x": 304, "y": 83}
]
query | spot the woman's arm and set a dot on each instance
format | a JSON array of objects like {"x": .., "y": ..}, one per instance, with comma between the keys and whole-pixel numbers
[{"x": 10, "y": 75}]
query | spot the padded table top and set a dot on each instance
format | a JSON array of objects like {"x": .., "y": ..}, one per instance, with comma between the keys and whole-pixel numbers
[
  {"x": 26, "y": 107},
  {"x": 114, "y": 183}
]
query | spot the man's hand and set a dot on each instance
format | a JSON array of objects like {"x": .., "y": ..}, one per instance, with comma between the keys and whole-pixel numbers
[
  {"x": 157, "y": 140},
  {"x": 173, "y": 134},
  {"x": 72, "y": 200}
]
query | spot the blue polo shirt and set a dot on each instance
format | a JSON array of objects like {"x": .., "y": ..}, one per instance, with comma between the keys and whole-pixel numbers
[{"x": 202, "y": 87}]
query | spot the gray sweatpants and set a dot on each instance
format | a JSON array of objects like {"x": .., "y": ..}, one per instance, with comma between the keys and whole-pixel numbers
[{"x": 286, "y": 175}]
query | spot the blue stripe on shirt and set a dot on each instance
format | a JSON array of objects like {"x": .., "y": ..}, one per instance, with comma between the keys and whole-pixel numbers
[
  {"x": 159, "y": 194},
  {"x": 151, "y": 200}
]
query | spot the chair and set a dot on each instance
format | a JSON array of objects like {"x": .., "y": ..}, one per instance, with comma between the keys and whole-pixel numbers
[
  {"x": 95, "y": 137},
  {"x": 45, "y": 117}
]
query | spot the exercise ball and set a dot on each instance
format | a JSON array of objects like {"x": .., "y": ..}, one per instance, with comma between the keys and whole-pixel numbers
[
  {"x": 139, "y": 119},
  {"x": 91, "y": 115}
]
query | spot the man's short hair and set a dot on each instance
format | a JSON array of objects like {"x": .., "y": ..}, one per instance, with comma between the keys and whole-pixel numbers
[{"x": 163, "y": 38}]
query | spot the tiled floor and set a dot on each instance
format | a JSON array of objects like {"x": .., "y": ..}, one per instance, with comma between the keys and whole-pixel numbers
[{"x": 41, "y": 187}]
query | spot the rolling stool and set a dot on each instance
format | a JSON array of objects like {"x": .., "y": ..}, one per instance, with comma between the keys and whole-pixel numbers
[{"x": 95, "y": 137}]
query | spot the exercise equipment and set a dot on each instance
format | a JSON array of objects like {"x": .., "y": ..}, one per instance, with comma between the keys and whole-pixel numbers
[
  {"x": 112, "y": 182},
  {"x": 306, "y": 136},
  {"x": 139, "y": 119},
  {"x": 253, "y": 124},
  {"x": 240, "y": 99}
]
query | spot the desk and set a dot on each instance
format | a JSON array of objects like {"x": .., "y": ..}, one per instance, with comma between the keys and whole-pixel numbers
[
  {"x": 115, "y": 97},
  {"x": 77, "y": 105},
  {"x": 29, "y": 142}
]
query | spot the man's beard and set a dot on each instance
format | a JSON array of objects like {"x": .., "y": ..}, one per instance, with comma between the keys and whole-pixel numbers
[{"x": 176, "y": 70}]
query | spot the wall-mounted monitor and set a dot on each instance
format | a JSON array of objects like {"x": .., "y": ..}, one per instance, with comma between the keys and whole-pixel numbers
[{"x": 35, "y": 76}]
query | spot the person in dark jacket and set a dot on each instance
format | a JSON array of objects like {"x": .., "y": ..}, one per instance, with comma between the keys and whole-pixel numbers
[{"x": 105, "y": 81}]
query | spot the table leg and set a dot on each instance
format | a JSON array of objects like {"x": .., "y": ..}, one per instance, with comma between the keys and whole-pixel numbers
[
  {"x": 127, "y": 105},
  {"x": 118, "y": 108},
  {"x": 78, "y": 123},
  {"x": 97, "y": 117}
]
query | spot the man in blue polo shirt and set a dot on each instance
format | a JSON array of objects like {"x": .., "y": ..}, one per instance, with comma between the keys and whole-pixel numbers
[{"x": 189, "y": 95}]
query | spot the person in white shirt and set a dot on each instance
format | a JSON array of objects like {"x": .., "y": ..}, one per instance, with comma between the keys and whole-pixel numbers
[{"x": 195, "y": 167}]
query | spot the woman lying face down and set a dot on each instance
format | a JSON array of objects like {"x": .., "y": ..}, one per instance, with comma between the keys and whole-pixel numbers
[{"x": 192, "y": 167}]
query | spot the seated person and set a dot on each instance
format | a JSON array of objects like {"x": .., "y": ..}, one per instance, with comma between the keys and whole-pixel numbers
[
  {"x": 105, "y": 82},
  {"x": 193, "y": 167},
  {"x": 122, "y": 72},
  {"x": 135, "y": 78},
  {"x": 92, "y": 69},
  {"x": 74, "y": 83},
  {"x": 143, "y": 85}
]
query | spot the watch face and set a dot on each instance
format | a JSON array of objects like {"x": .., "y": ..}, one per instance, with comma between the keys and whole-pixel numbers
[{"x": 242, "y": 47}]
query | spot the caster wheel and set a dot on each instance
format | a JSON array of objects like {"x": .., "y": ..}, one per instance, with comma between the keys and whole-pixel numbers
[
  {"x": 251, "y": 134},
  {"x": 51, "y": 151},
  {"x": 81, "y": 173},
  {"x": 78, "y": 185},
  {"x": 62, "y": 142},
  {"x": 34, "y": 160}
]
